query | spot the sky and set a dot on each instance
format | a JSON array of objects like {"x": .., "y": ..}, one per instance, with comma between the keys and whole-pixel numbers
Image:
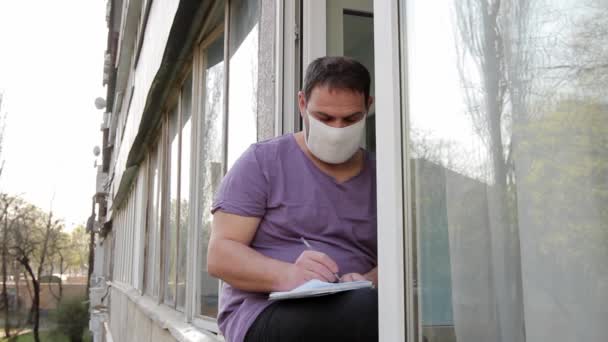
[{"x": 51, "y": 71}]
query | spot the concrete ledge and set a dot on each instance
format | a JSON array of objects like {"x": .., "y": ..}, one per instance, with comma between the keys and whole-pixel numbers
[{"x": 165, "y": 317}]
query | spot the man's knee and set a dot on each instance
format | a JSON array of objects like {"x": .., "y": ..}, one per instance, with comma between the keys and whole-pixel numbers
[
  {"x": 364, "y": 297},
  {"x": 361, "y": 304}
]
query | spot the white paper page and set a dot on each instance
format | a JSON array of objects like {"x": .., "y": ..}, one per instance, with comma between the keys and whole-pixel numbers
[{"x": 317, "y": 288}]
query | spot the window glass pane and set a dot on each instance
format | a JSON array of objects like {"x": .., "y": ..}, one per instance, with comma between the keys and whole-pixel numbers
[
  {"x": 159, "y": 215},
  {"x": 171, "y": 230},
  {"x": 359, "y": 44},
  {"x": 242, "y": 101},
  {"x": 151, "y": 284},
  {"x": 184, "y": 194},
  {"x": 350, "y": 32},
  {"x": 211, "y": 167},
  {"x": 508, "y": 127}
]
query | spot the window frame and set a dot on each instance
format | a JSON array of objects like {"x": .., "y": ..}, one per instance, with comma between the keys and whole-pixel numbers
[
  {"x": 188, "y": 75},
  {"x": 161, "y": 248},
  {"x": 174, "y": 102},
  {"x": 141, "y": 220},
  {"x": 314, "y": 30},
  {"x": 288, "y": 66},
  {"x": 166, "y": 218},
  {"x": 158, "y": 148},
  {"x": 200, "y": 63},
  {"x": 395, "y": 258}
]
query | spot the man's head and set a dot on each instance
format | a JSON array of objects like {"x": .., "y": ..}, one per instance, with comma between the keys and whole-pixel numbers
[
  {"x": 342, "y": 73},
  {"x": 333, "y": 105}
]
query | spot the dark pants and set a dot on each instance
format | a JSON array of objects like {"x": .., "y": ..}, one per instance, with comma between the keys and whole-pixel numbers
[{"x": 348, "y": 316}]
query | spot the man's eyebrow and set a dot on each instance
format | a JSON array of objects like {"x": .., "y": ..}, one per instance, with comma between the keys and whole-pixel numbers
[
  {"x": 324, "y": 114},
  {"x": 354, "y": 114},
  {"x": 332, "y": 116}
]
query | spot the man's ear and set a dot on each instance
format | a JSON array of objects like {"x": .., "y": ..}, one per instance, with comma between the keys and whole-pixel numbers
[
  {"x": 302, "y": 103},
  {"x": 370, "y": 102}
]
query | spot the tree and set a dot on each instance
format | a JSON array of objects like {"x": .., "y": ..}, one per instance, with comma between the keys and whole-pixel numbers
[
  {"x": 33, "y": 237},
  {"x": 59, "y": 247},
  {"x": 584, "y": 58},
  {"x": 78, "y": 252},
  {"x": 72, "y": 318},
  {"x": 495, "y": 59},
  {"x": 12, "y": 210},
  {"x": 518, "y": 66},
  {"x": 4, "y": 252},
  {"x": 2, "y": 127}
]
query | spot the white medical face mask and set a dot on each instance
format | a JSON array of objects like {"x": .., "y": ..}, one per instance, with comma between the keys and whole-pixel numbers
[{"x": 330, "y": 144}]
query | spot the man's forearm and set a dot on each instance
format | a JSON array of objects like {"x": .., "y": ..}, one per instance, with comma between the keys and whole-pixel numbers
[{"x": 244, "y": 268}]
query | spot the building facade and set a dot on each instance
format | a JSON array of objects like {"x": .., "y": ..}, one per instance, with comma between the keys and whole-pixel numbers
[{"x": 491, "y": 143}]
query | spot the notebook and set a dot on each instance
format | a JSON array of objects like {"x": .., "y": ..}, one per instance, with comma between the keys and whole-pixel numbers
[{"x": 315, "y": 288}]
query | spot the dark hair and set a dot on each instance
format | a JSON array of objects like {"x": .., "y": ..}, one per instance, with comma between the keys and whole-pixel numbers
[{"x": 337, "y": 73}]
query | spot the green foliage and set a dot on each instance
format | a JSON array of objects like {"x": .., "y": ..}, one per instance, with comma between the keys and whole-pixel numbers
[
  {"x": 46, "y": 336},
  {"x": 72, "y": 317},
  {"x": 75, "y": 250},
  {"x": 49, "y": 279},
  {"x": 563, "y": 168}
]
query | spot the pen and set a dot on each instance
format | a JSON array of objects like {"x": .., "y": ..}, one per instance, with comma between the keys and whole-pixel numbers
[{"x": 312, "y": 249}]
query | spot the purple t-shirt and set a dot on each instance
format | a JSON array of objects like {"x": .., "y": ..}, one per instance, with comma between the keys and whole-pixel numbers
[{"x": 276, "y": 181}]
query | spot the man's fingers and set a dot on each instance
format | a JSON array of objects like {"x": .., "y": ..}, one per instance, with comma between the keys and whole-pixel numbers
[
  {"x": 310, "y": 275},
  {"x": 322, "y": 258},
  {"x": 346, "y": 278},
  {"x": 357, "y": 276},
  {"x": 351, "y": 277},
  {"x": 317, "y": 268}
]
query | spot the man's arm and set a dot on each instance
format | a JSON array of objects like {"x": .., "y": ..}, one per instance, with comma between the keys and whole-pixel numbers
[{"x": 230, "y": 258}]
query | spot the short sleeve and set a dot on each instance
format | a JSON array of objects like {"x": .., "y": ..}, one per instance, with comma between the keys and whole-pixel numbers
[{"x": 244, "y": 189}]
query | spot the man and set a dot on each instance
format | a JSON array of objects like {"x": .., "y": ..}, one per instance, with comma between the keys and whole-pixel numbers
[{"x": 318, "y": 185}]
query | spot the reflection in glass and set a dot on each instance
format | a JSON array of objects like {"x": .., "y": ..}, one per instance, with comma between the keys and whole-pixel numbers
[
  {"x": 359, "y": 44},
  {"x": 171, "y": 232},
  {"x": 243, "y": 83},
  {"x": 184, "y": 193},
  {"x": 350, "y": 33},
  {"x": 211, "y": 166},
  {"x": 508, "y": 127}
]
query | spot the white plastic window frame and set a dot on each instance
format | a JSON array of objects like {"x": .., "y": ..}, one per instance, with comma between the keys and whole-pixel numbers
[
  {"x": 287, "y": 54},
  {"x": 395, "y": 256},
  {"x": 391, "y": 173},
  {"x": 314, "y": 30}
]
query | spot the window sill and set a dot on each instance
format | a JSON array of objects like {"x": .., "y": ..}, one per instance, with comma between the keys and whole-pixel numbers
[{"x": 165, "y": 317}]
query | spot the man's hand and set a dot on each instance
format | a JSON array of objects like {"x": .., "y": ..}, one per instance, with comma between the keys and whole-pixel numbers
[
  {"x": 371, "y": 276},
  {"x": 352, "y": 277},
  {"x": 310, "y": 265}
]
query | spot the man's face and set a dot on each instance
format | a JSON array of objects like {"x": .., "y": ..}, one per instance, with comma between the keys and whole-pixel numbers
[{"x": 333, "y": 107}]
